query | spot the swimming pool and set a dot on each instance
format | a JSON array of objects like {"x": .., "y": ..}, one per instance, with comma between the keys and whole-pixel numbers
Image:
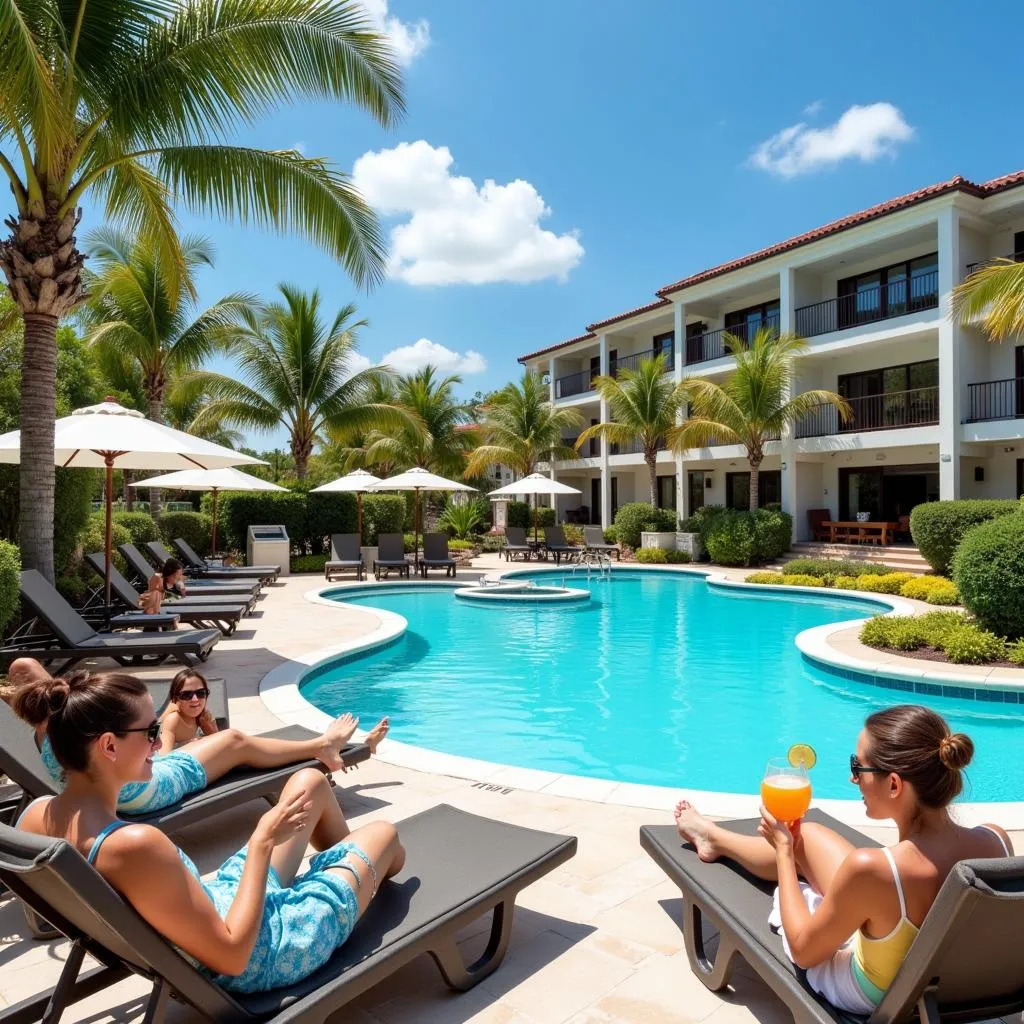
[{"x": 658, "y": 679}]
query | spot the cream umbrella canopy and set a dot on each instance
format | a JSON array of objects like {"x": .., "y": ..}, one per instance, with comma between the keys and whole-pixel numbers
[
  {"x": 416, "y": 480},
  {"x": 535, "y": 483},
  {"x": 100, "y": 436},
  {"x": 213, "y": 480},
  {"x": 358, "y": 482}
]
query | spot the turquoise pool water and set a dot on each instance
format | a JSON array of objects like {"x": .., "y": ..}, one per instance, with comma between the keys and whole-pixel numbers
[{"x": 658, "y": 679}]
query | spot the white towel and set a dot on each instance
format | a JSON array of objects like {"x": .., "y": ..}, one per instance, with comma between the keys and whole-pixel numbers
[{"x": 811, "y": 897}]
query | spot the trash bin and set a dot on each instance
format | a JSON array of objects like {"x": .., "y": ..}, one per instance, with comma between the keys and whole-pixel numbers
[{"x": 269, "y": 545}]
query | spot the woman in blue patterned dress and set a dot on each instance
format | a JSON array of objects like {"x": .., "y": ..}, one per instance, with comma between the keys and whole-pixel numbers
[{"x": 258, "y": 923}]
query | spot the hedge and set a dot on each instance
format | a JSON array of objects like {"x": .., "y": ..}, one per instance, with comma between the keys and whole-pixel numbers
[
  {"x": 636, "y": 516},
  {"x": 94, "y": 537},
  {"x": 238, "y": 510},
  {"x": 519, "y": 514},
  {"x": 830, "y": 568},
  {"x": 141, "y": 525},
  {"x": 194, "y": 527},
  {"x": 327, "y": 513},
  {"x": 660, "y": 556},
  {"x": 382, "y": 513},
  {"x": 938, "y": 526},
  {"x": 988, "y": 570},
  {"x": 10, "y": 582},
  {"x": 747, "y": 538}
]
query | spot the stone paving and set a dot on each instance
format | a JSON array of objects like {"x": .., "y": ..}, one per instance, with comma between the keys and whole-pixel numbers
[{"x": 595, "y": 942}]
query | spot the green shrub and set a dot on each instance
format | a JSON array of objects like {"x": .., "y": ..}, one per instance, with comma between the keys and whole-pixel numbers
[
  {"x": 830, "y": 568},
  {"x": 877, "y": 631},
  {"x": 382, "y": 513},
  {"x": 10, "y": 582},
  {"x": 72, "y": 588},
  {"x": 520, "y": 513},
  {"x": 141, "y": 525},
  {"x": 701, "y": 518},
  {"x": 461, "y": 519},
  {"x": 677, "y": 557},
  {"x": 938, "y": 526},
  {"x": 573, "y": 534},
  {"x": 764, "y": 577},
  {"x": 907, "y": 634},
  {"x": 238, "y": 510},
  {"x": 611, "y": 535},
  {"x": 918, "y": 588},
  {"x": 937, "y": 624},
  {"x": 892, "y": 583},
  {"x": 1015, "y": 652},
  {"x": 657, "y": 556},
  {"x": 989, "y": 573},
  {"x": 945, "y": 594},
  {"x": 308, "y": 563},
  {"x": 72, "y": 505},
  {"x": 492, "y": 542},
  {"x": 461, "y": 545},
  {"x": 93, "y": 538},
  {"x": 409, "y": 542},
  {"x": 845, "y": 583},
  {"x": 193, "y": 527},
  {"x": 327, "y": 512},
  {"x": 637, "y": 516},
  {"x": 969, "y": 644},
  {"x": 800, "y": 580},
  {"x": 747, "y": 538}
]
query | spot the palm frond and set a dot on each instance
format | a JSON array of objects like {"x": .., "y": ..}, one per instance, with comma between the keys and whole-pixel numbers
[{"x": 993, "y": 294}]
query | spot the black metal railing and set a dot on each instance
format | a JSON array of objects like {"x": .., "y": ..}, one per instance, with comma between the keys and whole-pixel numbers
[
  {"x": 632, "y": 362},
  {"x": 916, "y": 408},
  {"x": 574, "y": 384},
  {"x": 631, "y": 448},
  {"x": 868, "y": 306},
  {"x": 711, "y": 344},
  {"x": 1017, "y": 257},
  {"x": 995, "y": 400}
]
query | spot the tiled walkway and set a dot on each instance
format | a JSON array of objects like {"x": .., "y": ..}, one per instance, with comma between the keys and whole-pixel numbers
[{"x": 595, "y": 942}]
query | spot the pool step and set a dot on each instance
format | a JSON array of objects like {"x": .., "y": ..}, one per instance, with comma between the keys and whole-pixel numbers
[{"x": 901, "y": 557}]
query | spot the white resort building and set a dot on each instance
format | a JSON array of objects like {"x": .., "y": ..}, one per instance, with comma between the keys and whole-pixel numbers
[{"x": 938, "y": 410}]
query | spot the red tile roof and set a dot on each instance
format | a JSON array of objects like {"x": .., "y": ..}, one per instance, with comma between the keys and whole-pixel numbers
[{"x": 956, "y": 184}]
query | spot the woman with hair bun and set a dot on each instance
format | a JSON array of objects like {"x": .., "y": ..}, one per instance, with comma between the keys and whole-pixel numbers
[
  {"x": 258, "y": 923},
  {"x": 852, "y": 920}
]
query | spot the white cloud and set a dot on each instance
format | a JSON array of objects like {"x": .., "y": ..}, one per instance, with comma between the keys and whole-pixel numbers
[
  {"x": 861, "y": 133},
  {"x": 457, "y": 232},
  {"x": 408, "y": 38},
  {"x": 410, "y": 358},
  {"x": 357, "y": 362},
  {"x": 814, "y": 108}
]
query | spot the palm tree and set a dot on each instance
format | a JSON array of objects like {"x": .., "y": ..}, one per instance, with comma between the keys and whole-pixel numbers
[
  {"x": 520, "y": 428},
  {"x": 993, "y": 294},
  {"x": 644, "y": 404},
  {"x": 753, "y": 405},
  {"x": 136, "y": 322},
  {"x": 119, "y": 102},
  {"x": 295, "y": 371}
]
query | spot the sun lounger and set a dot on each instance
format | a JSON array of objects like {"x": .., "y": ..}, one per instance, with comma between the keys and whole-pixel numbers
[
  {"x": 964, "y": 965},
  {"x": 159, "y": 554},
  {"x": 201, "y": 613},
  {"x": 555, "y": 543},
  {"x": 459, "y": 867},
  {"x": 390, "y": 555},
  {"x": 197, "y": 563},
  {"x": 435, "y": 554},
  {"x": 515, "y": 544},
  {"x": 345, "y": 556},
  {"x": 74, "y": 640},
  {"x": 140, "y": 569},
  {"x": 593, "y": 540}
]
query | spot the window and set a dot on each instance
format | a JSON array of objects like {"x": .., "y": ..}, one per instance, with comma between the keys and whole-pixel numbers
[
  {"x": 695, "y": 341},
  {"x": 737, "y": 489},
  {"x": 744, "y": 323},
  {"x": 893, "y": 396},
  {"x": 891, "y": 291},
  {"x": 667, "y": 492},
  {"x": 696, "y": 485},
  {"x": 664, "y": 345}
]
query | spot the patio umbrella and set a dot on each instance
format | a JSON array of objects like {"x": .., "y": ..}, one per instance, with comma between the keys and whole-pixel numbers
[
  {"x": 213, "y": 480},
  {"x": 358, "y": 482},
  {"x": 535, "y": 483},
  {"x": 417, "y": 480},
  {"x": 99, "y": 436}
]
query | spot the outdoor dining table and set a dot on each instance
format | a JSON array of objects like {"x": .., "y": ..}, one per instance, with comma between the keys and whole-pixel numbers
[{"x": 879, "y": 532}]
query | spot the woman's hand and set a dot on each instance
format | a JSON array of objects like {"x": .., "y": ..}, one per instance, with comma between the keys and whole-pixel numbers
[
  {"x": 283, "y": 820},
  {"x": 207, "y": 723},
  {"x": 783, "y": 837}
]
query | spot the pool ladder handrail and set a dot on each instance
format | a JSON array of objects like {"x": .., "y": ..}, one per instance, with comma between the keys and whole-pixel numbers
[{"x": 592, "y": 561}]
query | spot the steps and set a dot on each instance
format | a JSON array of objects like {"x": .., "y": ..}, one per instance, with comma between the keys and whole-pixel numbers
[{"x": 902, "y": 557}]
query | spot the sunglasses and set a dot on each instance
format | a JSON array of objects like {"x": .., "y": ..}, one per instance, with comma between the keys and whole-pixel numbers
[
  {"x": 857, "y": 769},
  {"x": 193, "y": 695},
  {"x": 152, "y": 730}
]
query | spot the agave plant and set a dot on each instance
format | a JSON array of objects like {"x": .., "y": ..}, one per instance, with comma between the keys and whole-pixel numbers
[{"x": 462, "y": 518}]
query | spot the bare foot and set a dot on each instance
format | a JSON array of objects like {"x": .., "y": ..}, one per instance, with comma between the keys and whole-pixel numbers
[
  {"x": 696, "y": 829},
  {"x": 377, "y": 733},
  {"x": 338, "y": 733}
]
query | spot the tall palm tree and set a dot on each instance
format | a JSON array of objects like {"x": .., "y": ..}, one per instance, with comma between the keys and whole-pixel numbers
[
  {"x": 136, "y": 321},
  {"x": 752, "y": 406},
  {"x": 521, "y": 428},
  {"x": 644, "y": 404},
  {"x": 124, "y": 103},
  {"x": 295, "y": 371},
  {"x": 994, "y": 295}
]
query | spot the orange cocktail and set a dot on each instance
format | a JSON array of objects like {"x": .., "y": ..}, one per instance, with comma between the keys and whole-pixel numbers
[{"x": 786, "y": 796}]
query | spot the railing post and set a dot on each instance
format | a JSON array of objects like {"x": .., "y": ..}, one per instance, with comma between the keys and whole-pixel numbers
[{"x": 950, "y": 344}]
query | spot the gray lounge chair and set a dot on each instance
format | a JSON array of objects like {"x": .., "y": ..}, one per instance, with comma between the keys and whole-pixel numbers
[
  {"x": 964, "y": 965},
  {"x": 555, "y": 543},
  {"x": 435, "y": 554},
  {"x": 74, "y": 640},
  {"x": 390, "y": 555},
  {"x": 206, "y": 614},
  {"x": 140, "y": 569},
  {"x": 158, "y": 554},
  {"x": 198, "y": 564},
  {"x": 593, "y": 540},
  {"x": 345, "y": 556},
  {"x": 459, "y": 867},
  {"x": 515, "y": 544}
]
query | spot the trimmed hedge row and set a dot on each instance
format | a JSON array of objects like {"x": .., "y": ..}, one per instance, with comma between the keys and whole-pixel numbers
[
  {"x": 193, "y": 527},
  {"x": 10, "y": 582},
  {"x": 746, "y": 538},
  {"x": 938, "y": 526}
]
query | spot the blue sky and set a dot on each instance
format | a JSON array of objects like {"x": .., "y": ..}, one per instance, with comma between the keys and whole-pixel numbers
[{"x": 635, "y": 129}]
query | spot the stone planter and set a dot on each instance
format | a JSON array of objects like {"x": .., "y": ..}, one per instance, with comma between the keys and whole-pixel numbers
[
  {"x": 369, "y": 557},
  {"x": 690, "y": 543},
  {"x": 653, "y": 539}
]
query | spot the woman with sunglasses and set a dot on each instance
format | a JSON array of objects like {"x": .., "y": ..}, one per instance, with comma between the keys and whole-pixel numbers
[
  {"x": 186, "y": 770},
  {"x": 258, "y": 923},
  {"x": 850, "y": 923},
  {"x": 186, "y": 717}
]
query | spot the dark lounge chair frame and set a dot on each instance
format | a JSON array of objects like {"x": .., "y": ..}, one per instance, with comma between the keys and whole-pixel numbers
[
  {"x": 555, "y": 543},
  {"x": 517, "y": 546},
  {"x": 964, "y": 965},
  {"x": 435, "y": 554},
  {"x": 459, "y": 867},
  {"x": 391, "y": 545},
  {"x": 197, "y": 563},
  {"x": 343, "y": 547},
  {"x": 140, "y": 569},
  {"x": 158, "y": 555},
  {"x": 602, "y": 548}
]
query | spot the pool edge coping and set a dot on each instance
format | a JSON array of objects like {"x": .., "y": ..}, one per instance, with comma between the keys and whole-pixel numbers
[{"x": 280, "y": 692}]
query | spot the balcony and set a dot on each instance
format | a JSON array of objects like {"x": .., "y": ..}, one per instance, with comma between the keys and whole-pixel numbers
[
  {"x": 995, "y": 400},
  {"x": 916, "y": 408},
  {"x": 575, "y": 384},
  {"x": 633, "y": 361},
  {"x": 582, "y": 382},
  {"x": 869, "y": 305},
  {"x": 711, "y": 344},
  {"x": 1016, "y": 257}
]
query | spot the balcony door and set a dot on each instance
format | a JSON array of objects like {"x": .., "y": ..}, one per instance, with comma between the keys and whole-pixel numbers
[
  {"x": 695, "y": 485},
  {"x": 596, "y": 512},
  {"x": 1019, "y": 375}
]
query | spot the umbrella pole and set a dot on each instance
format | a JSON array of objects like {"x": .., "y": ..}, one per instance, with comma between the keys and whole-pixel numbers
[
  {"x": 109, "y": 539},
  {"x": 416, "y": 530},
  {"x": 359, "y": 515},
  {"x": 535, "y": 519},
  {"x": 213, "y": 540}
]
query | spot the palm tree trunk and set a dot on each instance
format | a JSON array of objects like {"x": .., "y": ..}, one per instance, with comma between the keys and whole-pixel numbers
[
  {"x": 156, "y": 414},
  {"x": 754, "y": 467},
  {"x": 129, "y": 491},
  {"x": 651, "y": 458}
]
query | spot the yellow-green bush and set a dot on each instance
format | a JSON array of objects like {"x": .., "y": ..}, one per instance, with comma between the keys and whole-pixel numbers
[
  {"x": 764, "y": 577},
  {"x": 933, "y": 589},
  {"x": 890, "y": 584},
  {"x": 799, "y": 579},
  {"x": 845, "y": 582},
  {"x": 945, "y": 594}
]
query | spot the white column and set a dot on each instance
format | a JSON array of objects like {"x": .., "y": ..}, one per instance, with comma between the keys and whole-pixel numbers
[
  {"x": 679, "y": 348},
  {"x": 787, "y": 289},
  {"x": 551, "y": 380},
  {"x": 949, "y": 357},
  {"x": 606, "y": 476}
]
